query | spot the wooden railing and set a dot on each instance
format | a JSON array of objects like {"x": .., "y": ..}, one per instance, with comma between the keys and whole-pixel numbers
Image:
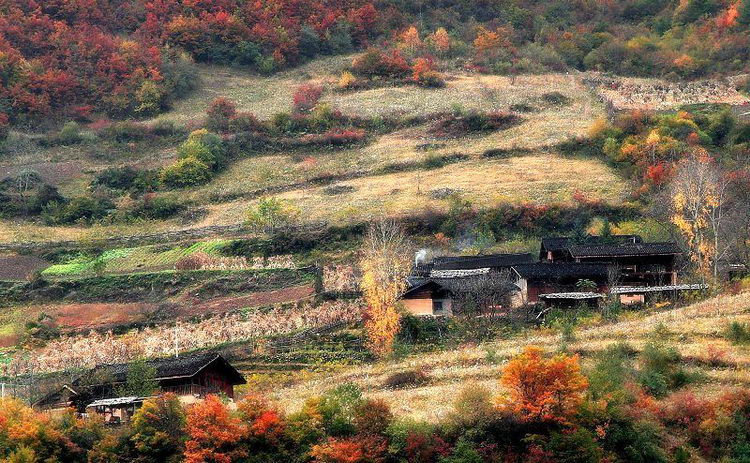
[{"x": 192, "y": 389}]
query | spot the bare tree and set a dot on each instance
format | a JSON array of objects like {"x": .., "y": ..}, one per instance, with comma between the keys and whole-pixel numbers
[{"x": 481, "y": 298}]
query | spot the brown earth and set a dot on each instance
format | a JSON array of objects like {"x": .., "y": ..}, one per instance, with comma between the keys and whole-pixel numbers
[
  {"x": 8, "y": 341},
  {"x": 17, "y": 267},
  {"x": 97, "y": 315},
  {"x": 82, "y": 317},
  {"x": 191, "y": 306}
]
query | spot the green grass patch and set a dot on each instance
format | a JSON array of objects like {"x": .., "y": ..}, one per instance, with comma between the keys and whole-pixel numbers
[{"x": 124, "y": 260}]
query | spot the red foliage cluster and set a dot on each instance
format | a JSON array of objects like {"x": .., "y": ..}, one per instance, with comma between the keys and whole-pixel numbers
[
  {"x": 425, "y": 448},
  {"x": 109, "y": 55},
  {"x": 306, "y": 97},
  {"x": 358, "y": 449},
  {"x": 378, "y": 63}
]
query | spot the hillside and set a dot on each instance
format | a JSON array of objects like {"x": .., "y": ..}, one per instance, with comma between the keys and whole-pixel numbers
[
  {"x": 373, "y": 166},
  {"x": 699, "y": 332}
]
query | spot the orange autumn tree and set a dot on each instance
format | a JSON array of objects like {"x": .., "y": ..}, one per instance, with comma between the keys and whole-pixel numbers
[
  {"x": 358, "y": 449},
  {"x": 440, "y": 41},
  {"x": 409, "y": 40},
  {"x": 489, "y": 43},
  {"x": 385, "y": 266},
  {"x": 543, "y": 389},
  {"x": 214, "y": 433}
]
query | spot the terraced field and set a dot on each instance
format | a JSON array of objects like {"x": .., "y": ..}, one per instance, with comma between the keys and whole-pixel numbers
[{"x": 124, "y": 260}]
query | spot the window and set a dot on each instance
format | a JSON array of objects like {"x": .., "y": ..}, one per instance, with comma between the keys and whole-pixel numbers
[{"x": 437, "y": 306}]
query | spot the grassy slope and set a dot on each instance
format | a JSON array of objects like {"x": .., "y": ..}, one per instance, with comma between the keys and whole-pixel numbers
[
  {"x": 547, "y": 177},
  {"x": 691, "y": 330}
]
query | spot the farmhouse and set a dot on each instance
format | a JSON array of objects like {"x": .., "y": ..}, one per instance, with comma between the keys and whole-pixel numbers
[
  {"x": 191, "y": 377},
  {"x": 569, "y": 271},
  {"x": 535, "y": 281},
  {"x": 435, "y": 286}
]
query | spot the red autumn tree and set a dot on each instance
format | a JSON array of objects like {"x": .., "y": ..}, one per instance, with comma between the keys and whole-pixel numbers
[
  {"x": 265, "y": 424},
  {"x": 213, "y": 433},
  {"x": 543, "y": 389}
]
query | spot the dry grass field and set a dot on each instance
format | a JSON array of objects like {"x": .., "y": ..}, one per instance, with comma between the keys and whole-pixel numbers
[
  {"x": 262, "y": 95},
  {"x": 542, "y": 178},
  {"x": 692, "y": 330}
]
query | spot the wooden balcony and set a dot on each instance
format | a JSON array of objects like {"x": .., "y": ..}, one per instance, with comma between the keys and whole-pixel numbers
[{"x": 195, "y": 390}]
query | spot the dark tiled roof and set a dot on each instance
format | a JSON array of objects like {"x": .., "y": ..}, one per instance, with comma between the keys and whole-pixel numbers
[
  {"x": 183, "y": 366},
  {"x": 561, "y": 270},
  {"x": 628, "y": 249},
  {"x": 451, "y": 285},
  {"x": 561, "y": 243},
  {"x": 476, "y": 262}
]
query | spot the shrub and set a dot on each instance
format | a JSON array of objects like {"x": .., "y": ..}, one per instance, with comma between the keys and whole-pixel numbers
[
  {"x": 347, "y": 80},
  {"x": 185, "y": 172},
  {"x": 474, "y": 121},
  {"x": 738, "y": 333},
  {"x": 245, "y": 122},
  {"x": 613, "y": 369},
  {"x": 151, "y": 98},
  {"x": 361, "y": 449},
  {"x": 472, "y": 407},
  {"x": 660, "y": 371},
  {"x": 335, "y": 137},
  {"x": 579, "y": 446},
  {"x": 272, "y": 214},
  {"x": 431, "y": 79},
  {"x": 372, "y": 417},
  {"x": 556, "y": 99},
  {"x": 204, "y": 146},
  {"x": 214, "y": 434},
  {"x": 407, "y": 378},
  {"x": 743, "y": 134},
  {"x": 219, "y": 114},
  {"x": 543, "y": 55},
  {"x": 306, "y": 97},
  {"x": 164, "y": 128},
  {"x": 424, "y": 74},
  {"x": 158, "y": 428},
  {"x": 375, "y": 63},
  {"x": 338, "y": 409},
  {"x": 196, "y": 150},
  {"x": 117, "y": 178},
  {"x": 70, "y": 134},
  {"x": 125, "y": 132},
  {"x": 464, "y": 452},
  {"x": 159, "y": 207},
  {"x": 81, "y": 208},
  {"x": 4, "y": 127}
]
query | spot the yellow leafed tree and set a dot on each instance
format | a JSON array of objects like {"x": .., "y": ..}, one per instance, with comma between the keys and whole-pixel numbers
[
  {"x": 385, "y": 265},
  {"x": 696, "y": 209}
]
